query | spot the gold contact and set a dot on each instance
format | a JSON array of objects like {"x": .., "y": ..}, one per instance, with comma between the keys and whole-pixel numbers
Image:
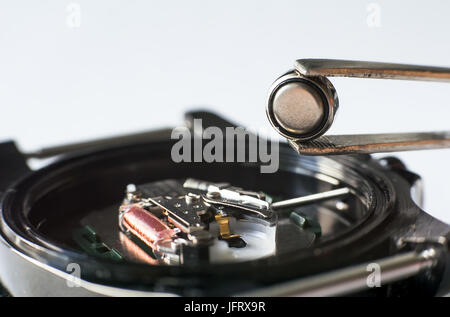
[{"x": 224, "y": 227}]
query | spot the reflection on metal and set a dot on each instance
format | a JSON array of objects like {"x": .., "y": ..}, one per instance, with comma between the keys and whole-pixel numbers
[
  {"x": 311, "y": 199},
  {"x": 115, "y": 141},
  {"x": 372, "y": 143},
  {"x": 353, "y": 279},
  {"x": 360, "y": 69},
  {"x": 223, "y": 194}
]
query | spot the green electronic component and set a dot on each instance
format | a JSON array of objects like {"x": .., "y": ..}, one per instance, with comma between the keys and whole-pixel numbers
[
  {"x": 297, "y": 219},
  {"x": 89, "y": 241},
  {"x": 306, "y": 223}
]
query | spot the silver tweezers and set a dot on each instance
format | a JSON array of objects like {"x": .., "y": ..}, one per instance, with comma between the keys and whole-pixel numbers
[{"x": 302, "y": 104}]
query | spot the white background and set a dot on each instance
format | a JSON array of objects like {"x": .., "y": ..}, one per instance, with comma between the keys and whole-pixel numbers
[{"x": 137, "y": 65}]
